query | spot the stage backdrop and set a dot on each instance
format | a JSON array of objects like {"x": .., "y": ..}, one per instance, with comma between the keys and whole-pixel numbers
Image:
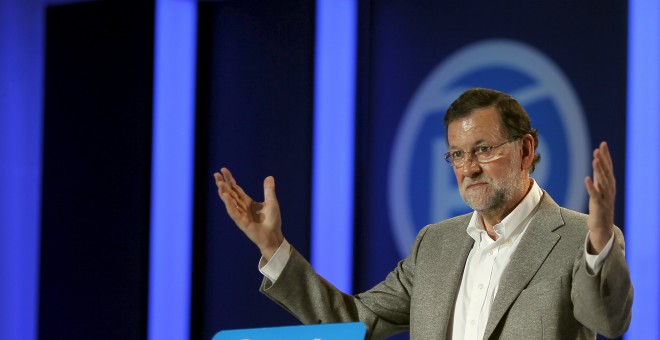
[{"x": 565, "y": 62}]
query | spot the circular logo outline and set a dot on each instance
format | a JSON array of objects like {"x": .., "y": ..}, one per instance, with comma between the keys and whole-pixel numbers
[{"x": 486, "y": 53}]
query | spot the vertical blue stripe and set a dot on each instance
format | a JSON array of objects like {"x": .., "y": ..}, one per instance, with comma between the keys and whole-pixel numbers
[
  {"x": 334, "y": 139},
  {"x": 642, "y": 206},
  {"x": 172, "y": 170},
  {"x": 21, "y": 73}
]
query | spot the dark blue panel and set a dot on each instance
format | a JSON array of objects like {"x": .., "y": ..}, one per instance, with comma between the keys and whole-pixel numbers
[
  {"x": 96, "y": 171},
  {"x": 255, "y": 111}
]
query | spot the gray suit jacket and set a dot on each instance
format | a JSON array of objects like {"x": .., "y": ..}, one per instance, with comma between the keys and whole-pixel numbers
[{"x": 545, "y": 292}]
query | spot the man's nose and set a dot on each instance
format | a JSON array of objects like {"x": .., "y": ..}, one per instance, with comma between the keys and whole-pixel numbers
[{"x": 470, "y": 166}]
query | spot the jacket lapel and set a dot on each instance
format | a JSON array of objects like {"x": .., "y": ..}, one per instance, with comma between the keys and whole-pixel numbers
[
  {"x": 444, "y": 266},
  {"x": 452, "y": 278},
  {"x": 534, "y": 247}
]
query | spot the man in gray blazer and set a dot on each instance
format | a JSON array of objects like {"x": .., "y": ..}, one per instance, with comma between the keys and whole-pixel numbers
[{"x": 518, "y": 267}]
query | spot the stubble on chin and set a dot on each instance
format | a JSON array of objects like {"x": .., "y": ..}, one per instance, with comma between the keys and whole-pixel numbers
[
  {"x": 483, "y": 199},
  {"x": 492, "y": 196}
]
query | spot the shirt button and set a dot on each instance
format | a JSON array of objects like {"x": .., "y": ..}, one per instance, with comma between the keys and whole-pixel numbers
[
  {"x": 472, "y": 322},
  {"x": 481, "y": 286}
]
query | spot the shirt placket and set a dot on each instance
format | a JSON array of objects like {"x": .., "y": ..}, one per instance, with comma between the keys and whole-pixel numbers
[{"x": 479, "y": 289}]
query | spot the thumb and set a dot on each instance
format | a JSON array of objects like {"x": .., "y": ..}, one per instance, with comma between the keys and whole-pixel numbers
[{"x": 269, "y": 189}]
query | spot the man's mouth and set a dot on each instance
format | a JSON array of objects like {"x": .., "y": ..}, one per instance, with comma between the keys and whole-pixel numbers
[{"x": 475, "y": 185}]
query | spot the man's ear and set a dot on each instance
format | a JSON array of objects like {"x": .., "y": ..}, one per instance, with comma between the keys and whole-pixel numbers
[{"x": 528, "y": 151}]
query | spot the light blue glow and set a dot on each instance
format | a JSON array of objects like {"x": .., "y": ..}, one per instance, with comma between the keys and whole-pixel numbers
[
  {"x": 334, "y": 139},
  {"x": 21, "y": 73},
  {"x": 642, "y": 206},
  {"x": 172, "y": 170}
]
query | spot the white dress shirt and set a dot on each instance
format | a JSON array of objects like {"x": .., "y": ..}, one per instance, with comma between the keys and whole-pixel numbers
[{"x": 484, "y": 267}]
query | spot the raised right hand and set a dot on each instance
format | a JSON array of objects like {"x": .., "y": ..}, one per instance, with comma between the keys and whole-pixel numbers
[{"x": 260, "y": 221}]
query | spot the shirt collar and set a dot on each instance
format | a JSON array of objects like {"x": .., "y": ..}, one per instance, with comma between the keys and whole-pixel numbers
[{"x": 512, "y": 222}]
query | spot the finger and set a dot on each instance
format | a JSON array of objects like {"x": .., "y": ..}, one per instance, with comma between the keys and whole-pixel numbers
[
  {"x": 231, "y": 198},
  {"x": 232, "y": 206},
  {"x": 218, "y": 179},
  {"x": 602, "y": 184},
  {"x": 240, "y": 194},
  {"x": 603, "y": 175},
  {"x": 597, "y": 170},
  {"x": 603, "y": 178},
  {"x": 221, "y": 180},
  {"x": 225, "y": 189},
  {"x": 226, "y": 194},
  {"x": 226, "y": 174},
  {"x": 229, "y": 177},
  {"x": 591, "y": 189},
  {"x": 235, "y": 211},
  {"x": 607, "y": 157},
  {"x": 599, "y": 193},
  {"x": 231, "y": 182},
  {"x": 602, "y": 154},
  {"x": 606, "y": 171},
  {"x": 269, "y": 189},
  {"x": 220, "y": 183}
]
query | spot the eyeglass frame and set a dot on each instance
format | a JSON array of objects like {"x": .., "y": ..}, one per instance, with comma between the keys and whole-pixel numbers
[{"x": 449, "y": 159}]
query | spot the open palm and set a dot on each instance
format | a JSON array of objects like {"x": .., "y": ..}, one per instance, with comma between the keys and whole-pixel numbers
[{"x": 260, "y": 221}]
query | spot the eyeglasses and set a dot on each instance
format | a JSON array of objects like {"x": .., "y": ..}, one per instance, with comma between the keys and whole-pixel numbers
[{"x": 482, "y": 154}]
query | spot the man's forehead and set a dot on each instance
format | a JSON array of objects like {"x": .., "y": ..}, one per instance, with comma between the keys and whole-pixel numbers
[
  {"x": 482, "y": 125},
  {"x": 467, "y": 124}
]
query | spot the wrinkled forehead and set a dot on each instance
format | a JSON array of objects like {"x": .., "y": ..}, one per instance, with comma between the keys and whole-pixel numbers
[{"x": 480, "y": 126}]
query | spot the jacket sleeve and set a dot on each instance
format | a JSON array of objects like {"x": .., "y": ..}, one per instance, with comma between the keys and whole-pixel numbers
[
  {"x": 385, "y": 309},
  {"x": 603, "y": 301}
]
